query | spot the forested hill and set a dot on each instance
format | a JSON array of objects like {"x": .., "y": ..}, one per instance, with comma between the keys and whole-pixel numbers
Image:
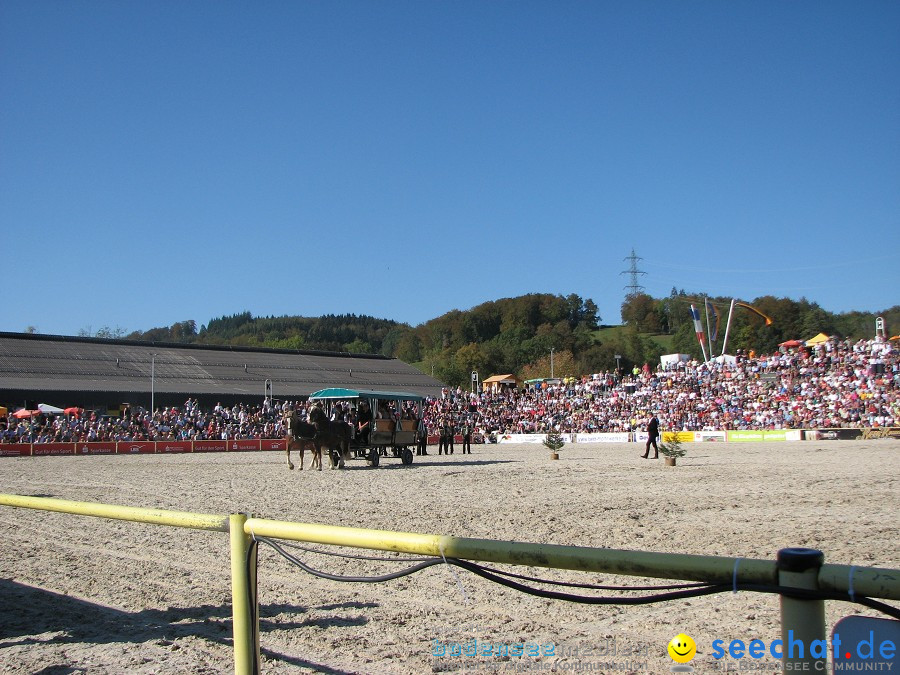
[
  {"x": 531, "y": 335},
  {"x": 499, "y": 336},
  {"x": 343, "y": 333}
]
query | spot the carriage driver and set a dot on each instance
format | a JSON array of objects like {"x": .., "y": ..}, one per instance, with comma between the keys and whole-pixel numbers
[{"x": 363, "y": 423}]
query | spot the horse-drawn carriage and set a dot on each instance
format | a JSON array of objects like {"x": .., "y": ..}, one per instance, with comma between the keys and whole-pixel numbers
[{"x": 384, "y": 422}]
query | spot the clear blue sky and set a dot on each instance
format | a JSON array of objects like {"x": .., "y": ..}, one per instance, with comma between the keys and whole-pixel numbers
[{"x": 164, "y": 161}]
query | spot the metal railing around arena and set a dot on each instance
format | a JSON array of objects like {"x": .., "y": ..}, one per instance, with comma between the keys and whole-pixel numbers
[{"x": 799, "y": 576}]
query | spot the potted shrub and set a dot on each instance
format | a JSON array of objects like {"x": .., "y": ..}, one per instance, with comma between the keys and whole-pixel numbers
[
  {"x": 672, "y": 449},
  {"x": 554, "y": 441}
]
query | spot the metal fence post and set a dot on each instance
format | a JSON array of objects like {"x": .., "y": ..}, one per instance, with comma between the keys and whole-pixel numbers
[
  {"x": 802, "y": 621},
  {"x": 245, "y": 610}
]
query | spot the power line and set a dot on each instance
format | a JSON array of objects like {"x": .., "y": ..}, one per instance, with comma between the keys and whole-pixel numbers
[{"x": 634, "y": 287}]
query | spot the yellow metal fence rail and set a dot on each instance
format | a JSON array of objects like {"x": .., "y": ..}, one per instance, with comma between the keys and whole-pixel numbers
[{"x": 804, "y": 617}]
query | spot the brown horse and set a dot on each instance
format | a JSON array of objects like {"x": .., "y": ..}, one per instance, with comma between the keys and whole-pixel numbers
[
  {"x": 300, "y": 436},
  {"x": 334, "y": 435}
]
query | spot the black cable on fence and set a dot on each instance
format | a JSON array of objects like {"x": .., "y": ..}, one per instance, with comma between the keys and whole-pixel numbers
[{"x": 680, "y": 592}]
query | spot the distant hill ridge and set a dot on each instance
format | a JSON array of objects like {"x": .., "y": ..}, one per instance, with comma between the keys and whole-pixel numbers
[{"x": 533, "y": 335}]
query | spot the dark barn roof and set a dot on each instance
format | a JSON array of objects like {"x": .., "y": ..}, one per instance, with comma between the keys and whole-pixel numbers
[{"x": 91, "y": 372}]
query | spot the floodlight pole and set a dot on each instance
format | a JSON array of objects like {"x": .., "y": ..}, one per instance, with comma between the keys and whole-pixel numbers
[{"x": 152, "y": 384}]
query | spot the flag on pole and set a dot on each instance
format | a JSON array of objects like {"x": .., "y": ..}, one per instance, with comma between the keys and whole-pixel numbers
[
  {"x": 755, "y": 311},
  {"x": 714, "y": 330},
  {"x": 695, "y": 315}
]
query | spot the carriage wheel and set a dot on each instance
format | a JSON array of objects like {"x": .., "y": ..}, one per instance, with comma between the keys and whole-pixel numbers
[
  {"x": 406, "y": 456},
  {"x": 374, "y": 457}
]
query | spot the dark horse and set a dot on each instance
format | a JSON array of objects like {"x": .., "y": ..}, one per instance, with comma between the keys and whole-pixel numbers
[
  {"x": 334, "y": 435},
  {"x": 300, "y": 436}
]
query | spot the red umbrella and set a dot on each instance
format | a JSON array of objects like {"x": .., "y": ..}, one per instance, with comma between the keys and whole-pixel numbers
[
  {"x": 791, "y": 343},
  {"x": 23, "y": 413},
  {"x": 73, "y": 411}
]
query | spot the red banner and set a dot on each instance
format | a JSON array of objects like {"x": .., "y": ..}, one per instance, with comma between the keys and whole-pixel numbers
[
  {"x": 243, "y": 445},
  {"x": 135, "y": 448},
  {"x": 273, "y": 444},
  {"x": 15, "y": 450},
  {"x": 210, "y": 446},
  {"x": 95, "y": 448},
  {"x": 42, "y": 449},
  {"x": 173, "y": 446}
]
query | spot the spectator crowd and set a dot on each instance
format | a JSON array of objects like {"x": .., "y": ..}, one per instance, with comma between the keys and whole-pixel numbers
[{"x": 834, "y": 384}]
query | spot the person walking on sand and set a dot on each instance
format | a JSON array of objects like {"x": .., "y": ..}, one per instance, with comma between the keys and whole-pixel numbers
[
  {"x": 421, "y": 438},
  {"x": 652, "y": 436},
  {"x": 467, "y": 437}
]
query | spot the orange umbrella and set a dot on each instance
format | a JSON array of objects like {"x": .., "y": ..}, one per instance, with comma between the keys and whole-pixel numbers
[{"x": 23, "y": 413}]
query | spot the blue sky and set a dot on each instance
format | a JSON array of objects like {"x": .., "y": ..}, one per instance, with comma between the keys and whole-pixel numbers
[{"x": 164, "y": 161}]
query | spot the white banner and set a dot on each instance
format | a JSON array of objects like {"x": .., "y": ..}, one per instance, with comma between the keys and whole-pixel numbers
[
  {"x": 717, "y": 436},
  {"x": 619, "y": 437},
  {"x": 531, "y": 438},
  {"x": 521, "y": 438}
]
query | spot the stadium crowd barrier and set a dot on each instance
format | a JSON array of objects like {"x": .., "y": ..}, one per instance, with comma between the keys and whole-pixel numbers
[
  {"x": 138, "y": 447},
  {"x": 251, "y": 445},
  {"x": 802, "y": 616}
]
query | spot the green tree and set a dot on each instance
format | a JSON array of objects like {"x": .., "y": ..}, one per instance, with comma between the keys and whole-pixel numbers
[
  {"x": 469, "y": 358},
  {"x": 358, "y": 347}
]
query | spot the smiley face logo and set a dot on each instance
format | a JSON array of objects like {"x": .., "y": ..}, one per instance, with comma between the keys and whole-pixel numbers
[{"x": 682, "y": 648}]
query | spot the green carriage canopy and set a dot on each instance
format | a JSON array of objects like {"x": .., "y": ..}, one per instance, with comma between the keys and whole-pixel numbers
[{"x": 339, "y": 393}]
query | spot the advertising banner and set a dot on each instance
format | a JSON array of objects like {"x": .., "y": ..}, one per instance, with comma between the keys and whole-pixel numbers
[
  {"x": 210, "y": 446},
  {"x": 135, "y": 448},
  {"x": 850, "y": 434},
  {"x": 47, "y": 449},
  {"x": 756, "y": 436},
  {"x": 15, "y": 450},
  {"x": 831, "y": 434},
  {"x": 713, "y": 436},
  {"x": 883, "y": 432},
  {"x": 273, "y": 444},
  {"x": 683, "y": 436},
  {"x": 612, "y": 437},
  {"x": 244, "y": 445},
  {"x": 107, "y": 448},
  {"x": 173, "y": 446},
  {"x": 520, "y": 438}
]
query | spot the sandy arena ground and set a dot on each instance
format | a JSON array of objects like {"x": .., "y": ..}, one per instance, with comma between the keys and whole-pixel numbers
[{"x": 87, "y": 595}]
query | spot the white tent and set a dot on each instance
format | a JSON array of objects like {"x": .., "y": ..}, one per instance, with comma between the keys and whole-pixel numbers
[
  {"x": 50, "y": 409},
  {"x": 668, "y": 360}
]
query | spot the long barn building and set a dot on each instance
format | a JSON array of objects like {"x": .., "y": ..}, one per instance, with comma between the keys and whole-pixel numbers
[{"x": 95, "y": 373}]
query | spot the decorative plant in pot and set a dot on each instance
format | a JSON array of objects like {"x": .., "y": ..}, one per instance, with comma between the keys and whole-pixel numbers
[
  {"x": 554, "y": 441},
  {"x": 672, "y": 449}
]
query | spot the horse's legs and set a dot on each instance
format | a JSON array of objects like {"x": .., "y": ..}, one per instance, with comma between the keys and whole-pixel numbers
[
  {"x": 287, "y": 448},
  {"x": 317, "y": 455}
]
